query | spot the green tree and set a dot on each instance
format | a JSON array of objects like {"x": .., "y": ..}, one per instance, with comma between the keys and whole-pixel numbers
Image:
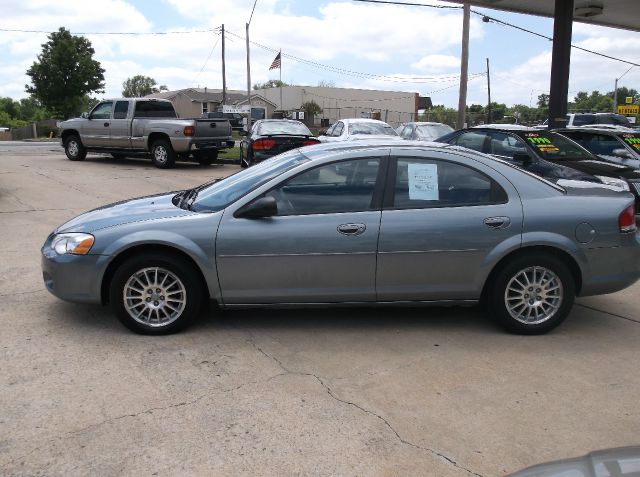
[
  {"x": 311, "y": 108},
  {"x": 543, "y": 100},
  {"x": 270, "y": 84},
  {"x": 624, "y": 92},
  {"x": 594, "y": 102},
  {"x": 9, "y": 106},
  {"x": 140, "y": 85},
  {"x": 32, "y": 110},
  {"x": 65, "y": 73}
]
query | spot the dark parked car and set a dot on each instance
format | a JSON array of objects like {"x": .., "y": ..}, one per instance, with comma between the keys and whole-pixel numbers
[
  {"x": 235, "y": 119},
  {"x": 352, "y": 222},
  {"x": 546, "y": 153},
  {"x": 270, "y": 137},
  {"x": 621, "y": 145}
]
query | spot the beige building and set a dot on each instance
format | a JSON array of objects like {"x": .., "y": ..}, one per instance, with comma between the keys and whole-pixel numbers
[{"x": 394, "y": 107}]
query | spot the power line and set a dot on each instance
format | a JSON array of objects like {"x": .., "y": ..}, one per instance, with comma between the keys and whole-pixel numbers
[
  {"x": 252, "y": 10},
  {"x": 450, "y": 7},
  {"x": 208, "y": 58},
  {"x": 13, "y": 30}
]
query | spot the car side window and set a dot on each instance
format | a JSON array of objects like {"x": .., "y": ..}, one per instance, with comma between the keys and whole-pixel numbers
[
  {"x": 333, "y": 188},
  {"x": 471, "y": 140},
  {"x": 428, "y": 183},
  {"x": 337, "y": 130},
  {"x": 329, "y": 132},
  {"x": 121, "y": 110},
  {"x": 602, "y": 144},
  {"x": 506, "y": 145},
  {"x": 102, "y": 111}
]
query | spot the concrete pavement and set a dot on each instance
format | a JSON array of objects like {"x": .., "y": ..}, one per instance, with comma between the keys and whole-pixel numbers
[{"x": 387, "y": 391}]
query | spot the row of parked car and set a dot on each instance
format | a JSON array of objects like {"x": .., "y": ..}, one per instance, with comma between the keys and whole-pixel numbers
[{"x": 605, "y": 154}]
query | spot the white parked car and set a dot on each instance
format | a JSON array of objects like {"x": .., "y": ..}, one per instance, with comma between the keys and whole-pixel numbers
[{"x": 358, "y": 128}]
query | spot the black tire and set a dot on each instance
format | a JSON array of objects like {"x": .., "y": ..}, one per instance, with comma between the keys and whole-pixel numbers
[
  {"x": 206, "y": 159},
  {"x": 74, "y": 149},
  {"x": 162, "y": 154},
  {"x": 119, "y": 156},
  {"x": 158, "y": 313},
  {"x": 243, "y": 161},
  {"x": 551, "y": 305}
]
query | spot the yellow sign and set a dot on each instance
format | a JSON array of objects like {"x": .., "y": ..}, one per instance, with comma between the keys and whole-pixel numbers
[
  {"x": 628, "y": 99},
  {"x": 629, "y": 110}
]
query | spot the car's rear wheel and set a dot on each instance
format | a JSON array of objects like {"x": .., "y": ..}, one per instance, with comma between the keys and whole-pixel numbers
[
  {"x": 162, "y": 154},
  {"x": 532, "y": 294},
  {"x": 156, "y": 294},
  {"x": 74, "y": 149}
]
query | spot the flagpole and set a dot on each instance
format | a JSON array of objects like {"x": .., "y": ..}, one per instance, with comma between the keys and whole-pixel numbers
[{"x": 281, "y": 107}]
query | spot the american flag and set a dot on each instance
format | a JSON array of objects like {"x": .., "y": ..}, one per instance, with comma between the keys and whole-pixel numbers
[{"x": 276, "y": 63}]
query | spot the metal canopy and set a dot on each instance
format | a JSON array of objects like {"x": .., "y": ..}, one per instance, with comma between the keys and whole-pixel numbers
[{"x": 623, "y": 14}]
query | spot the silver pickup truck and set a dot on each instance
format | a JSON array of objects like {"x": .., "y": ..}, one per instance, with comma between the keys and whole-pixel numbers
[{"x": 143, "y": 127}]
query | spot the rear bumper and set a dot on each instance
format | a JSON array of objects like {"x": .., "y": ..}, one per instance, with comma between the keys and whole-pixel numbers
[
  {"x": 612, "y": 269},
  {"x": 211, "y": 144}
]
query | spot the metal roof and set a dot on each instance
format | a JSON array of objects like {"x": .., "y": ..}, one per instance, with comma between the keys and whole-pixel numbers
[{"x": 612, "y": 13}]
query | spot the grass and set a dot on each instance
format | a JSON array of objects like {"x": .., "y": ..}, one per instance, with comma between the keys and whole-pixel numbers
[{"x": 232, "y": 153}]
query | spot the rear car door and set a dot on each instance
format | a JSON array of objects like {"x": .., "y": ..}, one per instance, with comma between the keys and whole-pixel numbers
[
  {"x": 440, "y": 222},
  {"x": 321, "y": 246}
]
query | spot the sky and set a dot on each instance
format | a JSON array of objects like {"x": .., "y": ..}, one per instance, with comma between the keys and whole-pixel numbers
[{"x": 347, "y": 43}]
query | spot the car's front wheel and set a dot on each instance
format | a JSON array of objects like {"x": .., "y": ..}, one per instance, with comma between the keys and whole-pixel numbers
[
  {"x": 156, "y": 294},
  {"x": 74, "y": 149},
  {"x": 532, "y": 294}
]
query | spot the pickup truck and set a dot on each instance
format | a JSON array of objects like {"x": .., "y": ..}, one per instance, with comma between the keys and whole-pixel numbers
[{"x": 143, "y": 127}]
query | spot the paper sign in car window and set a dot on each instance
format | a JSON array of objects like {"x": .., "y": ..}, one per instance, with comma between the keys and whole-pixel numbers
[
  {"x": 633, "y": 141},
  {"x": 543, "y": 144},
  {"x": 423, "y": 181}
]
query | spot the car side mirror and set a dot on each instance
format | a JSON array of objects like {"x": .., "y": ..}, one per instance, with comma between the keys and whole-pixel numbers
[
  {"x": 258, "y": 209},
  {"x": 84, "y": 115},
  {"x": 523, "y": 157},
  {"x": 623, "y": 153}
]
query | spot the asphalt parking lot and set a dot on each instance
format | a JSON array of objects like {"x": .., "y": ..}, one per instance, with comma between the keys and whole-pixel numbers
[{"x": 354, "y": 392}]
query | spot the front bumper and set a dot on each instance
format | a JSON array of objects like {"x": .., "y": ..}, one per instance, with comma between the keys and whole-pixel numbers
[{"x": 72, "y": 278}]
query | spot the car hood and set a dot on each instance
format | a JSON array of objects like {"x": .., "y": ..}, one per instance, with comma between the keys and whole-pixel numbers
[
  {"x": 134, "y": 210},
  {"x": 595, "y": 167}
]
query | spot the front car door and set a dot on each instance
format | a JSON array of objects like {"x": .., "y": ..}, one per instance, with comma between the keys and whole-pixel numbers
[
  {"x": 319, "y": 248},
  {"x": 441, "y": 222},
  {"x": 119, "y": 131},
  {"x": 95, "y": 131}
]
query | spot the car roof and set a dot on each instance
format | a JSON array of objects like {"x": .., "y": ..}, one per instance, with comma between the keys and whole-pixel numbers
[
  {"x": 362, "y": 120},
  {"x": 505, "y": 127},
  {"x": 426, "y": 123},
  {"x": 600, "y": 129}
]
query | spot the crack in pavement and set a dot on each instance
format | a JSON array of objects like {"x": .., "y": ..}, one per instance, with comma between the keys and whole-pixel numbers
[
  {"x": 22, "y": 293},
  {"x": 32, "y": 210},
  {"x": 70, "y": 434},
  {"x": 331, "y": 393},
  {"x": 608, "y": 313}
]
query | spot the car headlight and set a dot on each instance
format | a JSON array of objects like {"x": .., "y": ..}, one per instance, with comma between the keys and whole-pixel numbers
[
  {"x": 74, "y": 243},
  {"x": 612, "y": 181}
]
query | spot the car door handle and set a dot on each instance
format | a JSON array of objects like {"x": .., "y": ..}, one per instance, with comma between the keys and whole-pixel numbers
[
  {"x": 497, "y": 222},
  {"x": 351, "y": 229},
  {"x": 106, "y": 125}
]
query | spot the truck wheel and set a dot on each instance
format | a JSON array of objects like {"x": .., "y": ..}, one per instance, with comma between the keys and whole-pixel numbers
[
  {"x": 74, "y": 149},
  {"x": 208, "y": 158},
  {"x": 162, "y": 154}
]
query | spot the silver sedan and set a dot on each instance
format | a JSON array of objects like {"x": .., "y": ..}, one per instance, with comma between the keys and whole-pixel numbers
[{"x": 352, "y": 223}]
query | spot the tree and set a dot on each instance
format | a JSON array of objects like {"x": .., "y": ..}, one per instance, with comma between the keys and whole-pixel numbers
[
  {"x": 270, "y": 84},
  {"x": 326, "y": 84},
  {"x": 311, "y": 108},
  {"x": 624, "y": 92},
  {"x": 594, "y": 102},
  {"x": 543, "y": 100},
  {"x": 139, "y": 86},
  {"x": 64, "y": 73}
]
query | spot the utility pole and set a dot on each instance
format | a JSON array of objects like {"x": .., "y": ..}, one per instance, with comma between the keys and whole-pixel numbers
[
  {"x": 248, "y": 81},
  {"x": 464, "y": 66},
  {"x": 488, "y": 94},
  {"x": 224, "y": 76},
  {"x": 615, "y": 90}
]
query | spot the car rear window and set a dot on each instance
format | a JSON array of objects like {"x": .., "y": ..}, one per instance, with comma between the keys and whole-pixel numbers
[
  {"x": 371, "y": 129},
  {"x": 283, "y": 127},
  {"x": 154, "y": 109}
]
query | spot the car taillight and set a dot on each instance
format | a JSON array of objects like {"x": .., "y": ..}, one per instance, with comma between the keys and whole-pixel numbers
[
  {"x": 310, "y": 142},
  {"x": 189, "y": 131},
  {"x": 262, "y": 144},
  {"x": 627, "y": 219}
]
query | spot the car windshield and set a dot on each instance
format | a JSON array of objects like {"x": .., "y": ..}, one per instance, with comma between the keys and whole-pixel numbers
[
  {"x": 218, "y": 195},
  {"x": 584, "y": 119},
  {"x": 432, "y": 131},
  {"x": 283, "y": 127},
  {"x": 633, "y": 140},
  {"x": 371, "y": 129},
  {"x": 555, "y": 147}
]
